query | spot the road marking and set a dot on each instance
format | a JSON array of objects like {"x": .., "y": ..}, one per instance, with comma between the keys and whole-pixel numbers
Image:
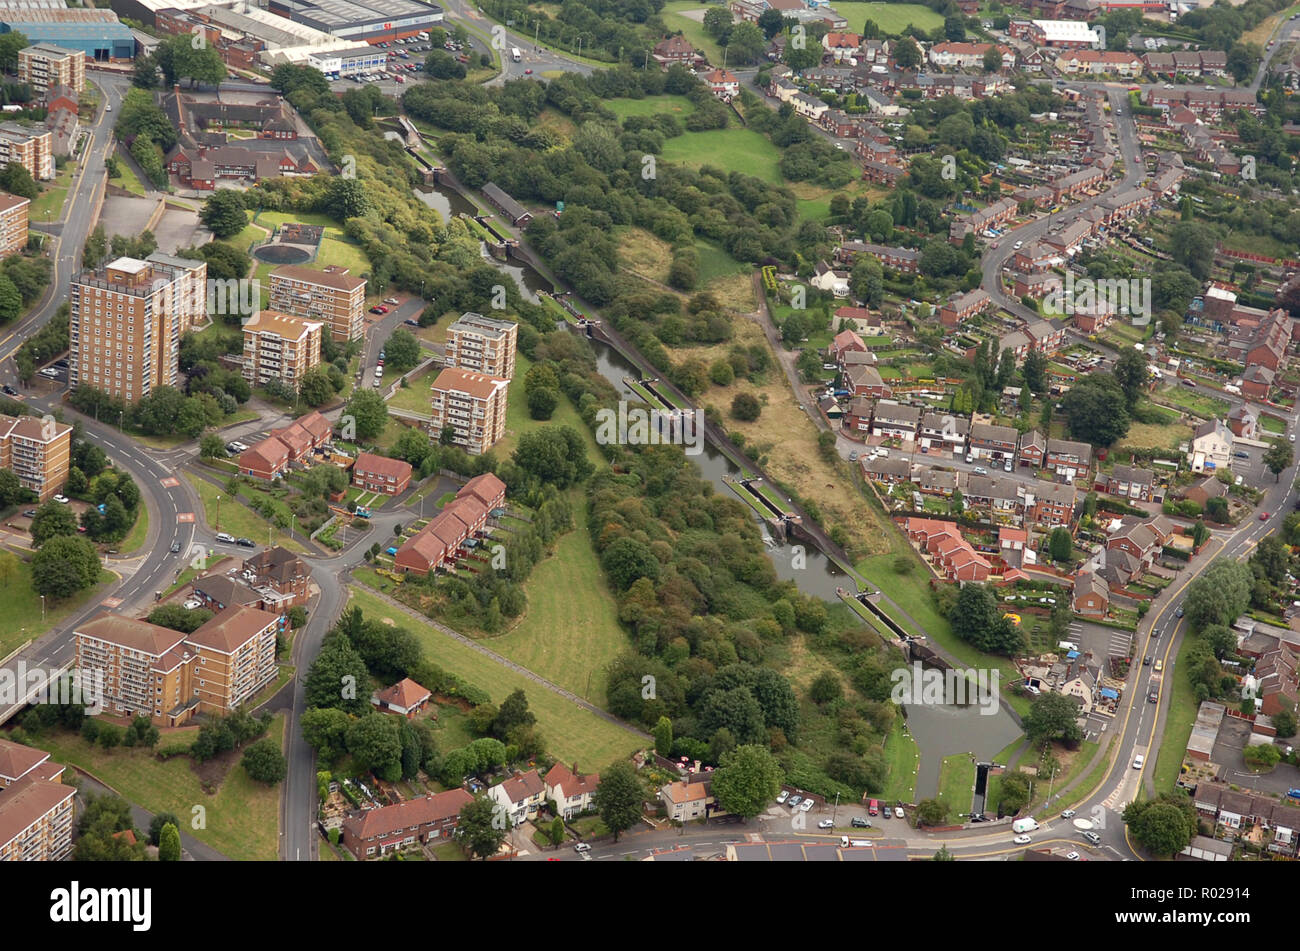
[
  {"x": 184, "y": 516},
  {"x": 112, "y": 602},
  {"x": 170, "y": 482}
]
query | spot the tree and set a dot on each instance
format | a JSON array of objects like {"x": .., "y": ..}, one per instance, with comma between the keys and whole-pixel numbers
[
  {"x": 1219, "y": 595},
  {"x": 336, "y": 677},
  {"x": 931, "y": 812},
  {"x": 374, "y": 743},
  {"x": 513, "y": 713},
  {"x": 223, "y": 213},
  {"x": 717, "y": 22},
  {"x": 992, "y": 60},
  {"x": 770, "y": 21},
  {"x": 211, "y": 447},
  {"x": 63, "y": 566},
  {"x": 1014, "y": 793},
  {"x": 1277, "y": 458},
  {"x": 974, "y": 613},
  {"x": 1192, "y": 245},
  {"x": 1097, "y": 409},
  {"x": 52, "y": 520},
  {"x": 943, "y": 855},
  {"x": 1165, "y": 825},
  {"x": 1061, "y": 545},
  {"x": 402, "y": 350},
  {"x": 315, "y": 387},
  {"x": 664, "y": 736},
  {"x": 1132, "y": 375},
  {"x": 1052, "y": 716},
  {"x": 746, "y": 407},
  {"x": 628, "y": 559},
  {"x": 747, "y": 780},
  {"x": 907, "y": 54},
  {"x": 169, "y": 844},
  {"x": 10, "y": 44},
  {"x": 1284, "y": 721},
  {"x": 619, "y": 797},
  {"x": 542, "y": 403},
  {"x": 483, "y": 826},
  {"x": 369, "y": 413},
  {"x": 264, "y": 762},
  {"x": 156, "y": 825},
  {"x": 554, "y": 454},
  {"x": 1217, "y": 509},
  {"x": 746, "y": 43},
  {"x": 11, "y": 301},
  {"x": 825, "y": 688},
  {"x": 15, "y": 179}
]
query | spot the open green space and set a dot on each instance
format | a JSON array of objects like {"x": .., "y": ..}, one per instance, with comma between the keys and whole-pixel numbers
[
  {"x": 48, "y": 206},
  {"x": 1199, "y": 404},
  {"x": 903, "y": 758},
  {"x": 139, "y": 531},
  {"x": 571, "y": 733},
  {"x": 235, "y": 518},
  {"x": 518, "y": 421},
  {"x": 890, "y": 17},
  {"x": 569, "y": 640},
  {"x": 242, "y": 817},
  {"x": 1177, "y": 692},
  {"x": 957, "y": 783},
  {"x": 714, "y": 262},
  {"x": 675, "y": 18},
  {"x": 734, "y": 149},
  {"x": 20, "y": 608},
  {"x": 1272, "y": 424},
  {"x": 678, "y": 106}
]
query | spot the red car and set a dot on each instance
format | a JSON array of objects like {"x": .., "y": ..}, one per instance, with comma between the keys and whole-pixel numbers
[
  {"x": 379, "y": 309},
  {"x": 1263, "y": 516}
]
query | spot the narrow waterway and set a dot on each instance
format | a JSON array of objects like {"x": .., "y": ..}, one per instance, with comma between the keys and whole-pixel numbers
[{"x": 939, "y": 730}]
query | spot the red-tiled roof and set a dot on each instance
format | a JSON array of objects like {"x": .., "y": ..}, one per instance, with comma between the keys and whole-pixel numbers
[{"x": 406, "y": 693}]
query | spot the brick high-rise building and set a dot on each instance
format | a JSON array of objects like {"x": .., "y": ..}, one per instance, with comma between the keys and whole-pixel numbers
[
  {"x": 169, "y": 676},
  {"x": 126, "y": 325},
  {"x": 13, "y": 223},
  {"x": 37, "y": 452},
  {"x": 483, "y": 344},
  {"x": 280, "y": 346},
  {"x": 36, "y": 808},
  {"x": 32, "y": 147},
  {"x": 328, "y": 295},
  {"x": 189, "y": 288},
  {"x": 45, "y": 65},
  {"x": 473, "y": 405}
]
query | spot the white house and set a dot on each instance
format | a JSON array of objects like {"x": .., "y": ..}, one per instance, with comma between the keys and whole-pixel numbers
[
  {"x": 1211, "y": 446},
  {"x": 569, "y": 791},
  {"x": 521, "y": 795},
  {"x": 827, "y": 278}
]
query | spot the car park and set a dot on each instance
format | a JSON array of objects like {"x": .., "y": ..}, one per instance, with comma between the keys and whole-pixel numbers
[
  {"x": 857, "y": 822},
  {"x": 873, "y": 808}
]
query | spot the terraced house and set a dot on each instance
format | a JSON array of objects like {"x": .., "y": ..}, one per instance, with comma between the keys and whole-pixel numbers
[{"x": 374, "y": 833}]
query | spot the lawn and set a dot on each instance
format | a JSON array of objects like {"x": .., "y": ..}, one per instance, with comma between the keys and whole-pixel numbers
[
  {"x": 892, "y": 18},
  {"x": 957, "y": 783},
  {"x": 692, "y": 27},
  {"x": 235, "y": 518},
  {"x": 716, "y": 263},
  {"x": 1272, "y": 424},
  {"x": 20, "y": 608},
  {"x": 733, "y": 149},
  {"x": 903, "y": 757},
  {"x": 1177, "y": 692},
  {"x": 49, "y": 205},
  {"x": 414, "y": 398},
  {"x": 651, "y": 105},
  {"x": 138, "y": 532},
  {"x": 1198, "y": 404},
  {"x": 571, "y": 732},
  {"x": 242, "y": 819},
  {"x": 568, "y": 640}
]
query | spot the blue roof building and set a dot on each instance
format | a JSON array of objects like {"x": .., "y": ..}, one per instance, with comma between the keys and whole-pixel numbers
[{"x": 97, "y": 33}]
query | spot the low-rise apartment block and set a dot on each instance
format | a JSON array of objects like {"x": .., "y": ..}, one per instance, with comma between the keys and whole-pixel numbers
[
  {"x": 45, "y": 65},
  {"x": 329, "y": 295},
  {"x": 37, "y": 452},
  {"x": 483, "y": 344},
  {"x": 280, "y": 347},
  {"x": 472, "y": 405},
  {"x": 14, "y": 212},
  {"x": 381, "y": 474},
  {"x": 32, "y": 147}
]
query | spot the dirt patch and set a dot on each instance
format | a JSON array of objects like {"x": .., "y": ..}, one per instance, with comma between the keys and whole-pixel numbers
[
  {"x": 389, "y": 621},
  {"x": 734, "y": 292},
  {"x": 645, "y": 255},
  {"x": 212, "y": 773}
]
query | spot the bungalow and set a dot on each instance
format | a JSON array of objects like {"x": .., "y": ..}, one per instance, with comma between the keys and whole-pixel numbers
[
  {"x": 1128, "y": 482},
  {"x": 893, "y": 470},
  {"x": 964, "y": 306},
  {"x": 520, "y": 796},
  {"x": 569, "y": 791},
  {"x": 990, "y": 441},
  {"x": 405, "y": 698}
]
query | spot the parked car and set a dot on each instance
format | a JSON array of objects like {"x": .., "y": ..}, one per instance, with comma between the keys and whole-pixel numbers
[
  {"x": 826, "y": 824},
  {"x": 858, "y": 822},
  {"x": 1191, "y": 383},
  {"x": 980, "y": 470},
  {"x": 853, "y": 456},
  {"x": 390, "y": 300},
  {"x": 782, "y": 796},
  {"x": 794, "y": 801},
  {"x": 30, "y": 513},
  {"x": 227, "y": 539},
  {"x": 244, "y": 542},
  {"x": 193, "y": 603},
  {"x": 63, "y": 499},
  {"x": 411, "y": 323},
  {"x": 582, "y": 847},
  {"x": 806, "y": 805},
  {"x": 898, "y": 812},
  {"x": 10, "y": 391}
]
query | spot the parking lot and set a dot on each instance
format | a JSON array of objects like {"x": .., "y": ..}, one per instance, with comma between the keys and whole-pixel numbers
[{"x": 1233, "y": 735}]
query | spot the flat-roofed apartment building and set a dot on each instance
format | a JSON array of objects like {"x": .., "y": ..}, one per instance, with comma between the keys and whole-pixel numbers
[
  {"x": 483, "y": 344},
  {"x": 169, "y": 676},
  {"x": 189, "y": 288},
  {"x": 36, "y": 808},
  {"x": 14, "y": 213},
  {"x": 280, "y": 346},
  {"x": 44, "y": 65},
  {"x": 126, "y": 324},
  {"x": 328, "y": 295},
  {"x": 473, "y": 405},
  {"x": 37, "y": 452},
  {"x": 32, "y": 147}
]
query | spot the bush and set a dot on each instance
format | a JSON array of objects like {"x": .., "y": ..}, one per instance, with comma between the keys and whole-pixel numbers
[{"x": 745, "y": 407}]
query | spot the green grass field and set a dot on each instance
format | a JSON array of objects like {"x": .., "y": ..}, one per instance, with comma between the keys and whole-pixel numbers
[
  {"x": 890, "y": 17},
  {"x": 903, "y": 757},
  {"x": 693, "y": 29},
  {"x": 518, "y": 421},
  {"x": 235, "y": 518},
  {"x": 567, "y": 639},
  {"x": 734, "y": 149},
  {"x": 139, "y": 531},
  {"x": 678, "y": 106},
  {"x": 49, "y": 204},
  {"x": 414, "y": 398},
  {"x": 571, "y": 732},
  {"x": 1177, "y": 692},
  {"x": 20, "y": 608},
  {"x": 242, "y": 818},
  {"x": 957, "y": 783},
  {"x": 716, "y": 263}
]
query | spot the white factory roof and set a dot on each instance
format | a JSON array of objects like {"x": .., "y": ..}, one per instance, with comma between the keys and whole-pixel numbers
[{"x": 1067, "y": 31}]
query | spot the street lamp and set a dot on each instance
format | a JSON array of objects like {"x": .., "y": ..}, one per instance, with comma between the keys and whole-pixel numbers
[
  {"x": 42, "y": 608},
  {"x": 218, "y": 526}
]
